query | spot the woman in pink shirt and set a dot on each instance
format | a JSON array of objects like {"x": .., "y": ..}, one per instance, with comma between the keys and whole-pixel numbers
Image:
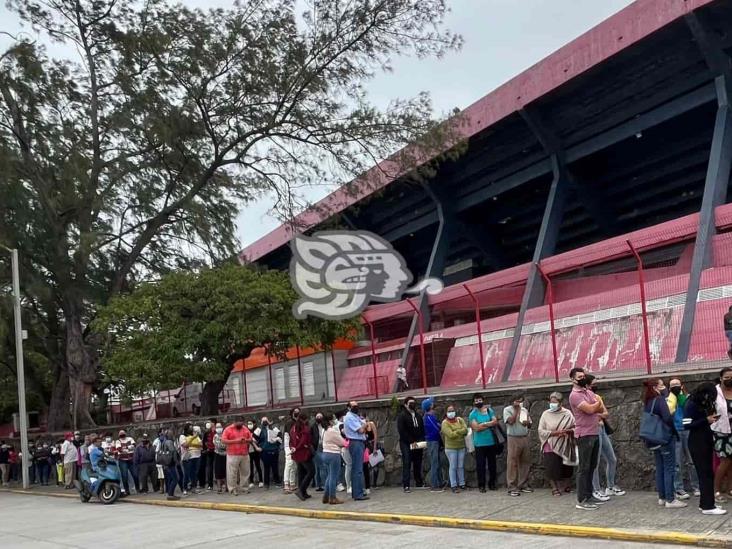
[{"x": 332, "y": 444}]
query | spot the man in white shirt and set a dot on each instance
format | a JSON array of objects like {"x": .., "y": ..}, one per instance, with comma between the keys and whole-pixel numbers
[{"x": 69, "y": 455}]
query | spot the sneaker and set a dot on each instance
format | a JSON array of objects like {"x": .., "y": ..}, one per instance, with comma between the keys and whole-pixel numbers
[
  {"x": 715, "y": 511},
  {"x": 586, "y": 506},
  {"x": 349, "y": 491},
  {"x": 185, "y": 492},
  {"x": 436, "y": 490},
  {"x": 368, "y": 491},
  {"x": 527, "y": 490},
  {"x": 514, "y": 493},
  {"x": 675, "y": 504},
  {"x": 318, "y": 489},
  {"x": 251, "y": 485},
  {"x": 697, "y": 493},
  {"x": 595, "y": 501},
  {"x": 719, "y": 498},
  {"x": 407, "y": 490},
  {"x": 600, "y": 496},
  {"x": 340, "y": 488},
  {"x": 614, "y": 491},
  {"x": 176, "y": 498},
  {"x": 455, "y": 490},
  {"x": 261, "y": 484},
  {"x": 682, "y": 495}
]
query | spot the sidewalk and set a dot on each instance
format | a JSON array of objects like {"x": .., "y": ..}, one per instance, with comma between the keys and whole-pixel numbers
[{"x": 630, "y": 517}]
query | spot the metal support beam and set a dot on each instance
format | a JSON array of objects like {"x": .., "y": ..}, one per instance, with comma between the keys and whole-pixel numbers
[
  {"x": 711, "y": 46},
  {"x": 483, "y": 239},
  {"x": 545, "y": 245},
  {"x": 715, "y": 192}
]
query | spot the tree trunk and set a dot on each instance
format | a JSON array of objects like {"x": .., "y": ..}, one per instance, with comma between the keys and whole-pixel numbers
[
  {"x": 58, "y": 410},
  {"x": 210, "y": 397},
  {"x": 81, "y": 367}
]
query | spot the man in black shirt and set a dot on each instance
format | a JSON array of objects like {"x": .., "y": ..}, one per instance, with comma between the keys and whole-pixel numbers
[{"x": 411, "y": 432}]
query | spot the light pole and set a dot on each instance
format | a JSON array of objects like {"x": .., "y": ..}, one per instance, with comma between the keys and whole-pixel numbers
[{"x": 25, "y": 461}]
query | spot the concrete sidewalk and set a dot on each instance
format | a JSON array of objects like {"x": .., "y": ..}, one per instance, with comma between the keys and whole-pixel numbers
[{"x": 635, "y": 512}]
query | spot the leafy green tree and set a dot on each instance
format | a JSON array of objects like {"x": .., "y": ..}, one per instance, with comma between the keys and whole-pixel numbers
[
  {"x": 131, "y": 158},
  {"x": 194, "y": 326}
]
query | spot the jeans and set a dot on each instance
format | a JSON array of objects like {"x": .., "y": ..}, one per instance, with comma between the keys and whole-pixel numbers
[
  {"x": 665, "y": 465},
  {"x": 171, "y": 479},
  {"x": 456, "y": 458},
  {"x": 356, "y": 448},
  {"x": 125, "y": 470},
  {"x": 207, "y": 466},
  {"x": 605, "y": 451},
  {"x": 411, "y": 459},
  {"x": 190, "y": 472},
  {"x": 684, "y": 455},
  {"x": 433, "y": 453},
  {"x": 321, "y": 470},
  {"x": 43, "y": 471},
  {"x": 270, "y": 460},
  {"x": 332, "y": 464},
  {"x": 588, "y": 448},
  {"x": 255, "y": 463},
  {"x": 305, "y": 474},
  {"x": 486, "y": 455}
]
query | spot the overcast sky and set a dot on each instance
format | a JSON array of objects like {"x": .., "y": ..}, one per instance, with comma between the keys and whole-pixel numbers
[{"x": 502, "y": 38}]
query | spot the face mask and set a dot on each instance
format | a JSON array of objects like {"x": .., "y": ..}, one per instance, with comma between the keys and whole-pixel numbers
[
  {"x": 145, "y": 442},
  {"x": 411, "y": 405},
  {"x": 208, "y": 426},
  {"x": 238, "y": 425},
  {"x": 582, "y": 382},
  {"x": 319, "y": 419},
  {"x": 450, "y": 415},
  {"x": 728, "y": 383},
  {"x": 478, "y": 403},
  {"x": 108, "y": 439},
  {"x": 354, "y": 410},
  {"x": 294, "y": 416},
  {"x": 250, "y": 425},
  {"x": 219, "y": 430},
  {"x": 265, "y": 422},
  {"x": 554, "y": 406},
  {"x": 676, "y": 390}
]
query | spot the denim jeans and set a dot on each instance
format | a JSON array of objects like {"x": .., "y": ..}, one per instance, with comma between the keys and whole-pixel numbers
[
  {"x": 665, "y": 465},
  {"x": 332, "y": 463},
  {"x": 433, "y": 452},
  {"x": 190, "y": 472},
  {"x": 321, "y": 470},
  {"x": 611, "y": 463},
  {"x": 171, "y": 479},
  {"x": 125, "y": 470},
  {"x": 457, "y": 466},
  {"x": 683, "y": 457},
  {"x": 356, "y": 448}
]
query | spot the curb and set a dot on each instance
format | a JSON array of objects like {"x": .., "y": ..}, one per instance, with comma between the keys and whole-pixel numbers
[{"x": 533, "y": 528}]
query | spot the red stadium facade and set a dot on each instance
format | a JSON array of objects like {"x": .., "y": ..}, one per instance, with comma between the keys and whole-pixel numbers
[{"x": 588, "y": 224}]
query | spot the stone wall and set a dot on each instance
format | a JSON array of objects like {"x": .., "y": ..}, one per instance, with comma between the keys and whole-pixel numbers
[{"x": 622, "y": 397}]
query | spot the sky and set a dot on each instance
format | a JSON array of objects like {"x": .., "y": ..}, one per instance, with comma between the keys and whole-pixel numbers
[{"x": 502, "y": 39}]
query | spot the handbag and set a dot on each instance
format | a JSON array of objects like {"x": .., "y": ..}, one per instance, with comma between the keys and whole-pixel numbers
[
  {"x": 608, "y": 428},
  {"x": 653, "y": 430},
  {"x": 164, "y": 456}
]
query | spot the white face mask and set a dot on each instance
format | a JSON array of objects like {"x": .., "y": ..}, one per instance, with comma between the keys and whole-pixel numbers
[
  {"x": 554, "y": 406},
  {"x": 219, "y": 430},
  {"x": 250, "y": 425},
  {"x": 208, "y": 426}
]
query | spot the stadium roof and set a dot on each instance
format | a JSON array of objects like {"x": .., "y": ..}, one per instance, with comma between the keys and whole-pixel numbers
[{"x": 631, "y": 105}]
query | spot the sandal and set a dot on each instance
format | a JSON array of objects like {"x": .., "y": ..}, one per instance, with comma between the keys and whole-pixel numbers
[{"x": 556, "y": 493}]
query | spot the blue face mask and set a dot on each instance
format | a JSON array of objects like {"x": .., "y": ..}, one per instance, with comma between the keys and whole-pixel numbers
[
  {"x": 450, "y": 415},
  {"x": 554, "y": 406}
]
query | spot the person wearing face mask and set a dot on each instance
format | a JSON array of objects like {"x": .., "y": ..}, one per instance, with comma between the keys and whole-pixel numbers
[
  {"x": 317, "y": 430},
  {"x": 482, "y": 419},
  {"x": 587, "y": 410},
  {"x": 433, "y": 436},
  {"x": 160, "y": 469},
  {"x": 518, "y": 461},
  {"x": 355, "y": 430},
  {"x": 654, "y": 402},
  {"x": 207, "y": 457},
  {"x": 219, "y": 458},
  {"x": 237, "y": 439},
  {"x": 255, "y": 456},
  {"x": 676, "y": 401},
  {"x": 333, "y": 443},
  {"x": 723, "y": 433},
  {"x": 410, "y": 426},
  {"x": 270, "y": 440},
  {"x": 124, "y": 450},
  {"x": 606, "y": 453},
  {"x": 42, "y": 457},
  {"x": 290, "y": 473},
  {"x": 69, "y": 456},
  {"x": 558, "y": 445},
  {"x": 454, "y": 430},
  {"x": 144, "y": 461},
  {"x": 699, "y": 413}
]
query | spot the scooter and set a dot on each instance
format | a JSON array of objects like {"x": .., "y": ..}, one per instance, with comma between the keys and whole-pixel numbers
[{"x": 104, "y": 483}]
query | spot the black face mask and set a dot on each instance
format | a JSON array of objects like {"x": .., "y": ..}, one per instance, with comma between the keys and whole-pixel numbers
[
  {"x": 728, "y": 383},
  {"x": 676, "y": 390},
  {"x": 354, "y": 410},
  {"x": 478, "y": 403},
  {"x": 412, "y": 405},
  {"x": 582, "y": 382}
]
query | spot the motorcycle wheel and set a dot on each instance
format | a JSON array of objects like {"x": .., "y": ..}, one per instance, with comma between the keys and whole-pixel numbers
[{"x": 109, "y": 493}]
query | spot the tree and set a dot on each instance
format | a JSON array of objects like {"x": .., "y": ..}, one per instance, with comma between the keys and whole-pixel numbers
[
  {"x": 194, "y": 326},
  {"x": 132, "y": 159}
]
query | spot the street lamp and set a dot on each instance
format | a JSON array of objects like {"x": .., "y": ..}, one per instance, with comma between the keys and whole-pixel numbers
[{"x": 25, "y": 461}]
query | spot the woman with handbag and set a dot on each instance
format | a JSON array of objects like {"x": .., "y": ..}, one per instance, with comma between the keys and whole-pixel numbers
[
  {"x": 605, "y": 452},
  {"x": 658, "y": 418},
  {"x": 483, "y": 420},
  {"x": 699, "y": 414},
  {"x": 301, "y": 446},
  {"x": 558, "y": 445}
]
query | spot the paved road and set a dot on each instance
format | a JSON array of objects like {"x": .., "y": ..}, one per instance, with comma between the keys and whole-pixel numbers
[{"x": 40, "y": 522}]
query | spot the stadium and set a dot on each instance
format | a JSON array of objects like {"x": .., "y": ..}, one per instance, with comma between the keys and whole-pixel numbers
[{"x": 588, "y": 223}]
